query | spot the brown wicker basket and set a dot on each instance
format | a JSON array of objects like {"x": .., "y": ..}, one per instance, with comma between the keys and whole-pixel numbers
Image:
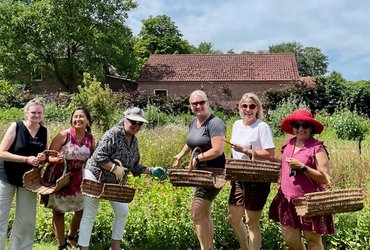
[
  {"x": 252, "y": 170},
  {"x": 203, "y": 176},
  {"x": 33, "y": 181},
  {"x": 330, "y": 202},
  {"x": 207, "y": 177},
  {"x": 108, "y": 191}
]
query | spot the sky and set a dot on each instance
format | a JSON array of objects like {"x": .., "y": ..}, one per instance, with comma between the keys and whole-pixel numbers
[{"x": 340, "y": 28}]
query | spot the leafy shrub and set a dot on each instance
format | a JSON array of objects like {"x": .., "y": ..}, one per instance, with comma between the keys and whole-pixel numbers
[
  {"x": 99, "y": 100},
  {"x": 13, "y": 95},
  {"x": 283, "y": 109},
  {"x": 11, "y": 114},
  {"x": 349, "y": 125},
  {"x": 55, "y": 113},
  {"x": 156, "y": 117}
]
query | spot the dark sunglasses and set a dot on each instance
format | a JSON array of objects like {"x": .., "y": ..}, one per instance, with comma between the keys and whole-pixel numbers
[
  {"x": 251, "y": 106},
  {"x": 303, "y": 125},
  {"x": 201, "y": 103},
  {"x": 135, "y": 122}
]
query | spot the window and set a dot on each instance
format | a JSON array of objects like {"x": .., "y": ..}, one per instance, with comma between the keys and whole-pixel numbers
[
  {"x": 161, "y": 92},
  {"x": 37, "y": 75}
]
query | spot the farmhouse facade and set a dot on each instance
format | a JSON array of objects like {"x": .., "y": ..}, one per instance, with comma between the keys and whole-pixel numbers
[{"x": 229, "y": 75}]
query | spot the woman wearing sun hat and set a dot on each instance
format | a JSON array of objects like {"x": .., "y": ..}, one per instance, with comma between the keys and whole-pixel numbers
[
  {"x": 305, "y": 166},
  {"x": 118, "y": 143}
]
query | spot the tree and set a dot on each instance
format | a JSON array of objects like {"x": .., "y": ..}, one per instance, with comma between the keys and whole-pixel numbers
[
  {"x": 160, "y": 35},
  {"x": 311, "y": 61},
  {"x": 206, "y": 48},
  {"x": 65, "y": 38}
]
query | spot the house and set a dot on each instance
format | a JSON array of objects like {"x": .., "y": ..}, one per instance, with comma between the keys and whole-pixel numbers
[{"x": 221, "y": 76}]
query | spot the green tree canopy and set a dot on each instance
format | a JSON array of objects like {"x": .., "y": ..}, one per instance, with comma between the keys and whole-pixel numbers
[
  {"x": 160, "y": 35},
  {"x": 206, "y": 48},
  {"x": 311, "y": 61},
  {"x": 65, "y": 38}
]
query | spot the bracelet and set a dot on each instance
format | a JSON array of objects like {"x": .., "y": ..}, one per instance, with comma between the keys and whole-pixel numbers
[
  {"x": 26, "y": 159},
  {"x": 113, "y": 168}
]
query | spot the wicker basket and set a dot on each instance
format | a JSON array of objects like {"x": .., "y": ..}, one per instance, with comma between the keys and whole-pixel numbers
[
  {"x": 252, "y": 170},
  {"x": 33, "y": 181},
  {"x": 203, "y": 176},
  {"x": 108, "y": 191},
  {"x": 207, "y": 177},
  {"x": 330, "y": 202}
]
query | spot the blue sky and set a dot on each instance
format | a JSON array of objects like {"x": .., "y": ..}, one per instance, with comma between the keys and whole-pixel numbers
[{"x": 340, "y": 28}]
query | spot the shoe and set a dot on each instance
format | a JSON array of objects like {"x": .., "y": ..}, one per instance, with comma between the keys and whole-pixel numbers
[{"x": 71, "y": 241}]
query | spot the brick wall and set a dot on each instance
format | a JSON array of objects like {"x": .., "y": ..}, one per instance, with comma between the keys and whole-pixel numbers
[{"x": 212, "y": 89}]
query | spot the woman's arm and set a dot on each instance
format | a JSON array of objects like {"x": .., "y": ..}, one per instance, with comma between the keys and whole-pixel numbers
[
  {"x": 218, "y": 147},
  {"x": 186, "y": 149},
  {"x": 6, "y": 143},
  {"x": 56, "y": 145}
]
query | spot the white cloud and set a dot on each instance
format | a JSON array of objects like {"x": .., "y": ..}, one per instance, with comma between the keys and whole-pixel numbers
[{"x": 340, "y": 28}]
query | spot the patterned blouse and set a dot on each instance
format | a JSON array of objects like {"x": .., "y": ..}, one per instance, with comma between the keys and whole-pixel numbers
[{"x": 114, "y": 145}]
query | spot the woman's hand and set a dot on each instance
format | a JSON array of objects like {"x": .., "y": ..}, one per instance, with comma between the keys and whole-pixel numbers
[
  {"x": 294, "y": 163},
  {"x": 177, "y": 160},
  {"x": 32, "y": 160},
  {"x": 159, "y": 172}
]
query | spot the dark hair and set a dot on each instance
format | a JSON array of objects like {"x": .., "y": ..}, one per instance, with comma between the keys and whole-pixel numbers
[{"x": 88, "y": 116}]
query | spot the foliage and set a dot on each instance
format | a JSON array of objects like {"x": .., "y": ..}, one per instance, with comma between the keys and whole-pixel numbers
[
  {"x": 311, "y": 61},
  {"x": 349, "y": 125},
  {"x": 283, "y": 109},
  {"x": 99, "y": 100},
  {"x": 11, "y": 114},
  {"x": 356, "y": 96},
  {"x": 65, "y": 38},
  {"x": 55, "y": 113},
  {"x": 156, "y": 117},
  {"x": 13, "y": 95},
  {"x": 160, "y": 35},
  {"x": 205, "y": 48}
]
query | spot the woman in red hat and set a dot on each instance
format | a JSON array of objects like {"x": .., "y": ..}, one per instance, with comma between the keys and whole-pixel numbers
[{"x": 305, "y": 166}]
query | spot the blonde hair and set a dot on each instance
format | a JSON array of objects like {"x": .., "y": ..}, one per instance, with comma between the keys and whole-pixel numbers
[
  {"x": 200, "y": 93},
  {"x": 34, "y": 101},
  {"x": 255, "y": 98}
]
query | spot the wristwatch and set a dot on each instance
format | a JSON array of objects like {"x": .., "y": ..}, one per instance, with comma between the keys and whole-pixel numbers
[
  {"x": 197, "y": 158},
  {"x": 304, "y": 168}
]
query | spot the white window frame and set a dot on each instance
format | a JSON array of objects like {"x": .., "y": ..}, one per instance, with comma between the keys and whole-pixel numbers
[{"x": 165, "y": 90}]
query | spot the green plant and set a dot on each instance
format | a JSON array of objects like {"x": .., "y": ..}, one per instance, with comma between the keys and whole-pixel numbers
[
  {"x": 349, "y": 125},
  {"x": 283, "y": 109},
  {"x": 99, "y": 100}
]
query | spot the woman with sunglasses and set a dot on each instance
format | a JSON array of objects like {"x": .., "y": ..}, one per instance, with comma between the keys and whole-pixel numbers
[
  {"x": 116, "y": 153},
  {"x": 207, "y": 133},
  {"x": 305, "y": 166},
  {"x": 250, "y": 135}
]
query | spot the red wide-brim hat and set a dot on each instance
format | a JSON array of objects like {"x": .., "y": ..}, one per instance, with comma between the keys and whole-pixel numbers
[{"x": 303, "y": 115}]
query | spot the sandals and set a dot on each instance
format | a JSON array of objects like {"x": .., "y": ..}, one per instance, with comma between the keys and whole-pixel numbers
[{"x": 71, "y": 241}]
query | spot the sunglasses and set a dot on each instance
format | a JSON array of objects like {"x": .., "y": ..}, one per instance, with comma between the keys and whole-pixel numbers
[
  {"x": 201, "y": 103},
  {"x": 135, "y": 122},
  {"x": 303, "y": 125},
  {"x": 251, "y": 106}
]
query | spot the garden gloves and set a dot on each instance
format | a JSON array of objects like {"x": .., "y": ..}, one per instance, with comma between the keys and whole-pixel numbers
[{"x": 159, "y": 172}]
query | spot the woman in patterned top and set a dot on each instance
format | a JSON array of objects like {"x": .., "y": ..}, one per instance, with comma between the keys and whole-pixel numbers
[
  {"x": 118, "y": 143},
  {"x": 76, "y": 144}
]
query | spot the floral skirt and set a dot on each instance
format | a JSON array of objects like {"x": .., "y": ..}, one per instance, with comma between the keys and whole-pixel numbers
[{"x": 282, "y": 210}]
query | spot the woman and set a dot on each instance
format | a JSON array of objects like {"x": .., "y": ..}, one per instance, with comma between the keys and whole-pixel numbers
[
  {"x": 76, "y": 144},
  {"x": 305, "y": 166},
  {"x": 20, "y": 150},
  {"x": 249, "y": 135},
  {"x": 206, "y": 132},
  {"x": 118, "y": 143}
]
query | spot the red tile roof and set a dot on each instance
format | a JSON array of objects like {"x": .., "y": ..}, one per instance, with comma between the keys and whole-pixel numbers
[{"x": 227, "y": 67}]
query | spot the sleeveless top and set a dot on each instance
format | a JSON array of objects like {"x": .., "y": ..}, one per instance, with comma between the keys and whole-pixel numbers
[
  {"x": 297, "y": 186},
  {"x": 26, "y": 145}
]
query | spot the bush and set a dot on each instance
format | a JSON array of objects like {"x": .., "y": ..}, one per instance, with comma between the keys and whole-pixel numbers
[
  {"x": 13, "y": 95},
  {"x": 11, "y": 114},
  {"x": 156, "y": 117},
  {"x": 283, "y": 109},
  {"x": 101, "y": 102},
  {"x": 349, "y": 125}
]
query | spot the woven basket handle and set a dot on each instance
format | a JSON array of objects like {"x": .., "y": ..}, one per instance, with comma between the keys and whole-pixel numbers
[
  {"x": 191, "y": 167},
  {"x": 253, "y": 153},
  {"x": 125, "y": 169}
]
